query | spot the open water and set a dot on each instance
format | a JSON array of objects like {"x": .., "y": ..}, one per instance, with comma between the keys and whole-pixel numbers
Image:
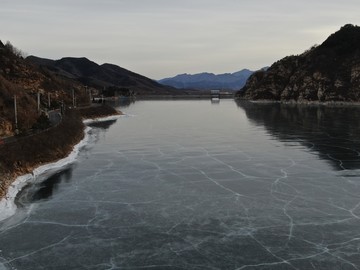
[{"x": 199, "y": 185}]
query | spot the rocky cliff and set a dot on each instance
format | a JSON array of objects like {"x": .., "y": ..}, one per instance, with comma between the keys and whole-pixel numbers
[{"x": 328, "y": 72}]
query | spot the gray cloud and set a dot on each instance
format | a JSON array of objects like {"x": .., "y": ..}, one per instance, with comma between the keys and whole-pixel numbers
[{"x": 162, "y": 38}]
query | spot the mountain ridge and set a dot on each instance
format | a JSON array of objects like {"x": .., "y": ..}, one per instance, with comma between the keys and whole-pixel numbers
[{"x": 99, "y": 76}]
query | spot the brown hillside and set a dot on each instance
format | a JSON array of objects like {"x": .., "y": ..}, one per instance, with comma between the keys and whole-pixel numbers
[{"x": 25, "y": 80}]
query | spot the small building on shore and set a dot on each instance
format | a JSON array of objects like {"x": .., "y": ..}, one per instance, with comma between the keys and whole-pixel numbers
[{"x": 215, "y": 94}]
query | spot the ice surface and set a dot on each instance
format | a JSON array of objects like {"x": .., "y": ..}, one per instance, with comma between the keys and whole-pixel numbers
[{"x": 190, "y": 185}]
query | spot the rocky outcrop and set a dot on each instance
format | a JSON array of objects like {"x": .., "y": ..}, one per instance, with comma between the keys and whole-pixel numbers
[
  {"x": 329, "y": 72},
  {"x": 6, "y": 128}
]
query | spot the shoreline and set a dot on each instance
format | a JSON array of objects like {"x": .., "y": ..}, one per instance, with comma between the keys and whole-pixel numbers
[
  {"x": 304, "y": 102},
  {"x": 7, "y": 203}
]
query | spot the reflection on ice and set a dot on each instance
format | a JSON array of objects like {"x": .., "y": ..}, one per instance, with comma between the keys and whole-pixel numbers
[
  {"x": 103, "y": 124},
  {"x": 331, "y": 131},
  {"x": 44, "y": 189}
]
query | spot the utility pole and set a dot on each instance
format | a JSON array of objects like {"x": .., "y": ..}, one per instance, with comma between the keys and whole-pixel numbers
[
  {"x": 88, "y": 92},
  {"x": 38, "y": 102},
  {"x": 90, "y": 97},
  {"x": 49, "y": 102},
  {"x": 102, "y": 96},
  {"x": 62, "y": 109},
  {"x": 16, "y": 120},
  {"x": 73, "y": 96}
]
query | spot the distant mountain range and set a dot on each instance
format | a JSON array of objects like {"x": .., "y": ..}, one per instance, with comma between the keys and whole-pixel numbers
[
  {"x": 99, "y": 76},
  {"x": 207, "y": 81}
]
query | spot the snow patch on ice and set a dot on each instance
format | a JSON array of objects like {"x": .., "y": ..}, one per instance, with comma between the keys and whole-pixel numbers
[{"x": 102, "y": 119}]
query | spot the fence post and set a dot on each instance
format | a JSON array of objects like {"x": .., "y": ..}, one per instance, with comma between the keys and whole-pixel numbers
[
  {"x": 16, "y": 120},
  {"x": 38, "y": 102}
]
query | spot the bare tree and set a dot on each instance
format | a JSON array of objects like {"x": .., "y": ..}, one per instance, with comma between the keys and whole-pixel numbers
[{"x": 14, "y": 50}]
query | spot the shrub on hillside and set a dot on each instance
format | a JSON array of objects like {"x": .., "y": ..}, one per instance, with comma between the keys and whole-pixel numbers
[{"x": 99, "y": 111}]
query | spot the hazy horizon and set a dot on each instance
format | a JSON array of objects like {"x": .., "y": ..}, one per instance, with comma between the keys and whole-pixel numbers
[{"x": 161, "y": 39}]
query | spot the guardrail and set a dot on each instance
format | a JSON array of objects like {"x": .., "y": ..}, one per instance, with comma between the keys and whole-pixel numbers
[{"x": 54, "y": 117}]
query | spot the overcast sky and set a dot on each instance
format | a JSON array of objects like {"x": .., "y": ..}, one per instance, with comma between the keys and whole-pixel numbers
[{"x": 163, "y": 38}]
